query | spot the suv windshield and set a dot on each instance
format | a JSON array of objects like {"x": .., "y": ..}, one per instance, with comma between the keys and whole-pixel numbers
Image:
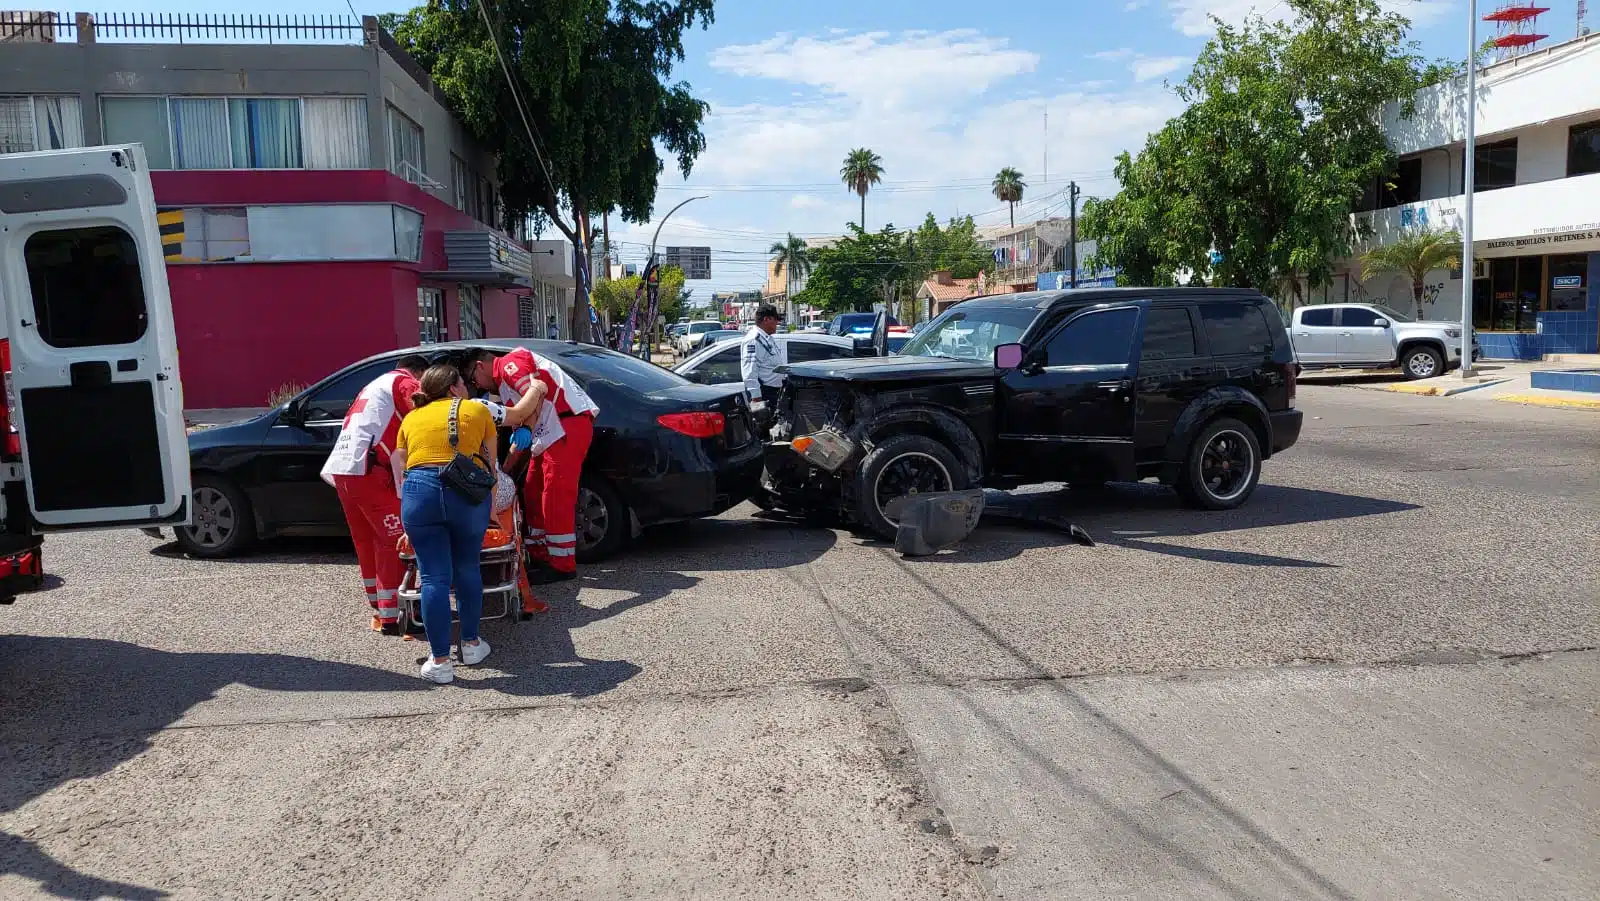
[{"x": 971, "y": 333}]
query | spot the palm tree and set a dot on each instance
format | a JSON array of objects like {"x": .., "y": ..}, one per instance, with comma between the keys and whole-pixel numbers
[
  {"x": 1414, "y": 255},
  {"x": 790, "y": 255},
  {"x": 1008, "y": 188},
  {"x": 862, "y": 169}
]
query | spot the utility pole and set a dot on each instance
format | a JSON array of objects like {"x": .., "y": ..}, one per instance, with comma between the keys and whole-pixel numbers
[
  {"x": 1072, "y": 233},
  {"x": 1469, "y": 165},
  {"x": 1047, "y": 144}
]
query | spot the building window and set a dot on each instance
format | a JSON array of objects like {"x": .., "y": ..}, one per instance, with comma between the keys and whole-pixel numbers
[
  {"x": 430, "y": 316},
  {"x": 527, "y": 317},
  {"x": 1406, "y": 183},
  {"x": 1496, "y": 166},
  {"x": 300, "y": 233},
  {"x": 471, "y": 312},
  {"x": 1583, "y": 149},
  {"x": 241, "y": 132},
  {"x": 87, "y": 287},
  {"x": 459, "y": 182},
  {"x": 40, "y": 123},
  {"x": 1569, "y": 281},
  {"x": 1515, "y": 293},
  {"x": 406, "y": 156}
]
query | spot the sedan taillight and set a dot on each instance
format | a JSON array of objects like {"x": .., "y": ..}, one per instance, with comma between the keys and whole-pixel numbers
[{"x": 695, "y": 425}]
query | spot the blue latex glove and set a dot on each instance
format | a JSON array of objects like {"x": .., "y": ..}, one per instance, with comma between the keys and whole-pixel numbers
[{"x": 522, "y": 438}]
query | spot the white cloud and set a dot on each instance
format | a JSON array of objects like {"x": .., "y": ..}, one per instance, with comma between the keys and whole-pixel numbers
[
  {"x": 1192, "y": 17},
  {"x": 1117, "y": 54},
  {"x": 1147, "y": 67},
  {"x": 805, "y": 202},
  {"x": 877, "y": 67},
  {"x": 1135, "y": 5}
]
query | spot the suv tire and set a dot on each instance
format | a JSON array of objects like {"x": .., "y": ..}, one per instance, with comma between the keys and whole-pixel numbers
[
  {"x": 1421, "y": 361},
  {"x": 914, "y": 461},
  {"x": 1220, "y": 451}
]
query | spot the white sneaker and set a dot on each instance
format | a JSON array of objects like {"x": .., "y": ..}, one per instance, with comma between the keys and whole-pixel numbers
[
  {"x": 472, "y": 654},
  {"x": 442, "y": 673}
]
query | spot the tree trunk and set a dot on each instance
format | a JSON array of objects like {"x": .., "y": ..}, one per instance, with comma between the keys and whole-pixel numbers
[
  {"x": 1417, "y": 288},
  {"x": 863, "y": 208}
]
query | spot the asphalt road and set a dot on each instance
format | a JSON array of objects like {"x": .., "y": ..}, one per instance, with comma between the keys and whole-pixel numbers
[{"x": 1378, "y": 680}]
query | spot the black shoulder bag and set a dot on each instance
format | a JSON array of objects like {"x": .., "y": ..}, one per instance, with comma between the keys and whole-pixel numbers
[{"x": 474, "y": 482}]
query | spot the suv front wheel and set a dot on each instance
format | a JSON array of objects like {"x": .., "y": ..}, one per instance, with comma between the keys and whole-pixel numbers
[
  {"x": 1222, "y": 467},
  {"x": 901, "y": 465}
]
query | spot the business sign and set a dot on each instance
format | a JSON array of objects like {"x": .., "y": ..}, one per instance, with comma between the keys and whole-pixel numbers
[
  {"x": 694, "y": 261},
  {"x": 1567, "y": 281}
]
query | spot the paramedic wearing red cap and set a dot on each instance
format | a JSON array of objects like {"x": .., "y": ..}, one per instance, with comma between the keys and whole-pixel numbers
[
  {"x": 358, "y": 469},
  {"x": 525, "y": 381}
]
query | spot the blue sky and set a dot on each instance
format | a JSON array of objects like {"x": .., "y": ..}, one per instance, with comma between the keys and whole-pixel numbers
[{"x": 945, "y": 92}]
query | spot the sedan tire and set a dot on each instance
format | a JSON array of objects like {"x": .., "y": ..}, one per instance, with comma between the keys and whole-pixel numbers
[
  {"x": 1223, "y": 466},
  {"x": 602, "y": 520},
  {"x": 223, "y": 524}
]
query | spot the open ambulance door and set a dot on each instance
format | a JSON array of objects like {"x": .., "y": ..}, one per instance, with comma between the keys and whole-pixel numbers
[{"x": 92, "y": 389}]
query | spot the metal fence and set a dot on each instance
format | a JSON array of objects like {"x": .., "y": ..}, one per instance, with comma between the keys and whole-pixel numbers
[{"x": 181, "y": 28}]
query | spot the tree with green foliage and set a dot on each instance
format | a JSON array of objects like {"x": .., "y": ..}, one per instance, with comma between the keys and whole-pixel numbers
[
  {"x": 614, "y": 297},
  {"x": 1008, "y": 187},
  {"x": 1414, "y": 255},
  {"x": 592, "y": 78},
  {"x": 954, "y": 247},
  {"x": 862, "y": 269},
  {"x": 862, "y": 169},
  {"x": 1280, "y": 139},
  {"x": 792, "y": 258}
]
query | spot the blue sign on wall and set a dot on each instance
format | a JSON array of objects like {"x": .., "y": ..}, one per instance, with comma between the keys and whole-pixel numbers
[{"x": 1567, "y": 281}]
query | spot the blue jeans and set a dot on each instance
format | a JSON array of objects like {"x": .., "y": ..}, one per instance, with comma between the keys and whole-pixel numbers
[{"x": 446, "y": 531}]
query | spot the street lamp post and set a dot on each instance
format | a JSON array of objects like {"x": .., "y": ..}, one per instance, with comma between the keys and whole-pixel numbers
[
  {"x": 1469, "y": 163},
  {"x": 650, "y": 314}
]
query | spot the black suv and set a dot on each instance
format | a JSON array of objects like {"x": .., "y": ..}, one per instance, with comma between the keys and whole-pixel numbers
[{"x": 1195, "y": 386}]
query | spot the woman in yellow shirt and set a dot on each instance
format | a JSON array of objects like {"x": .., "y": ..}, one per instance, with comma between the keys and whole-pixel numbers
[{"x": 446, "y": 529}]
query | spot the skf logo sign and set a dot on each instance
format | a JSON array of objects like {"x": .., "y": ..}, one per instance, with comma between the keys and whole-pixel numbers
[{"x": 170, "y": 223}]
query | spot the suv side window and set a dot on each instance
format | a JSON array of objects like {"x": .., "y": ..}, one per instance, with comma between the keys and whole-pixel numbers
[
  {"x": 1235, "y": 328},
  {"x": 1358, "y": 317},
  {"x": 1317, "y": 317},
  {"x": 1095, "y": 339},
  {"x": 802, "y": 351},
  {"x": 1168, "y": 334},
  {"x": 332, "y": 401}
]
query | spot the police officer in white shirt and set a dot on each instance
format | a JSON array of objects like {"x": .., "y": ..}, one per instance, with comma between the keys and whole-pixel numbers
[{"x": 761, "y": 358}]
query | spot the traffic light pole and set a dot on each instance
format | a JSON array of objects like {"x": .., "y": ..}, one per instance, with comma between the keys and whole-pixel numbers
[{"x": 1072, "y": 234}]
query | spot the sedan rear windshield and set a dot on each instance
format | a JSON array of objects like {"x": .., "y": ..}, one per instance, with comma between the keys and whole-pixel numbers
[
  {"x": 597, "y": 363},
  {"x": 971, "y": 333}
]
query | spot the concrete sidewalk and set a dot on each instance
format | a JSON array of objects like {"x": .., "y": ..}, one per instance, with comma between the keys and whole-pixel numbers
[{"x": 1498, "y": 380}]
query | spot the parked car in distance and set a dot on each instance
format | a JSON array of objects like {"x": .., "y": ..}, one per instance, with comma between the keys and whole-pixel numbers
[
  {"x": 690, "y": 336},
  {"x": 720, "y": 365},
  {"x": 855, "y": 323},
  {"x": 720, "y": 335},
  {"x": 1193, "y": 386},
  {"x": 1366, "y": 336},
  {"x": 664, "y": 450}
]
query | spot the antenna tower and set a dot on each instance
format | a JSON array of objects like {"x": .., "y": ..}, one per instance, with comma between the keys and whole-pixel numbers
[{"x": 1514, "y": 29}]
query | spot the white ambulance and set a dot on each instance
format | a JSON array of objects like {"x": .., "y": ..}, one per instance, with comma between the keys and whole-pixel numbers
[{"x": 92, "y": 430}]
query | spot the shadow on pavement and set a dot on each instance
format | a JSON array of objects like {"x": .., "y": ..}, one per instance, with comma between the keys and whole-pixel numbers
[
  {"x": 1138, "y": 515},
  {"x": 295, "y": 549},
  {"x": 76, "y": 708}
]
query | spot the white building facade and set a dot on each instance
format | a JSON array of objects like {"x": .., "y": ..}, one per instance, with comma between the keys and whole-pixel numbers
[{"x": 1536, "y": 218}]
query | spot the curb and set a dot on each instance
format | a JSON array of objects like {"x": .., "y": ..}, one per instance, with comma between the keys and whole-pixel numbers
[
  {"x": 1441, "y": 390},
  {"x": 1538, "y": 400}
]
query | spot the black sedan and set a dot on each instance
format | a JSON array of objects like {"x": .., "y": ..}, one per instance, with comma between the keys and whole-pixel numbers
[{"x": 664, "y": 450}]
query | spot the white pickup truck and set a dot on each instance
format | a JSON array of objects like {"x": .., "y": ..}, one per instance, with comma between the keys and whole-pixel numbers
[
  {"x": 91, "y": 427},
  {"x": 1365, "y": 336}
]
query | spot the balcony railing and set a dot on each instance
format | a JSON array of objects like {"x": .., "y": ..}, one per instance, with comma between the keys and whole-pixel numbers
[{"x": 184, "y": 28}]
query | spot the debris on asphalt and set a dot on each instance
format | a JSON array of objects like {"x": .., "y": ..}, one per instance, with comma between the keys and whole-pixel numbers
[{"x": 929, "y": 523}]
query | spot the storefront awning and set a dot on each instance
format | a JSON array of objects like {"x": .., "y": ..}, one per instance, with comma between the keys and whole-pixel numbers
[{"x": 485, "y": 258}]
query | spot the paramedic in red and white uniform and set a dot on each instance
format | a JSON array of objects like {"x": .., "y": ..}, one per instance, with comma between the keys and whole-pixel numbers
[
  {"x": 525, "y": 381},
  {"x": 358, "y": 469}
]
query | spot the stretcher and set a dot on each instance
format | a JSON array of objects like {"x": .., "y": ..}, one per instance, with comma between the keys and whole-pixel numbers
[{"x": 501, "y": 560}]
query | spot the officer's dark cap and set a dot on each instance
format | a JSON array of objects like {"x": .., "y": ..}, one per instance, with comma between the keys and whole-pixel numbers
[{"x": 767, "y": 310}]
